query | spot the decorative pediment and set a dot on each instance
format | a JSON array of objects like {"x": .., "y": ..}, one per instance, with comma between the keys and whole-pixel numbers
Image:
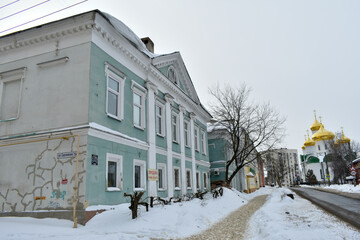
[{"x": 173, "y": 68}]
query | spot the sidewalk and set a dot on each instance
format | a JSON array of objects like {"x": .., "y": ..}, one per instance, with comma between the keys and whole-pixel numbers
[{"x": 233, "y": 226}]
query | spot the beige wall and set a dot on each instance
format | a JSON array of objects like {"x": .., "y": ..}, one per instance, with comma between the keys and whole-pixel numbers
[{"x": 33, "y": 176}]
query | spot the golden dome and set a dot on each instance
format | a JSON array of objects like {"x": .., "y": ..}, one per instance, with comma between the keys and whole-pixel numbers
[
  {"x": 323, "y": 134},
  {"x": 309, "y": 141},
  {"x": 343, "y": 139},
  {"x": 316, "y": 125},
  {"x": 303, "y": 147}
]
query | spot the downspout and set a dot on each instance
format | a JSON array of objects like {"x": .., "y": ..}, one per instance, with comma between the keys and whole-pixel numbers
[{"x": 76, "y": 165}]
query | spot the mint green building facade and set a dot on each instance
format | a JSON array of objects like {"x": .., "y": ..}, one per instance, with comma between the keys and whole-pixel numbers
[{"x": 114, "y": 118}]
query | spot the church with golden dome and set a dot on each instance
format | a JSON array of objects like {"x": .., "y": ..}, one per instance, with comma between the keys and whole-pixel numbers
[{"x": 317, "y": 149}]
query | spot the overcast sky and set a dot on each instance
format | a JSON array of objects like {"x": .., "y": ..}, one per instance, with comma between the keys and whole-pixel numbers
[{"x": 297, "y": 55}]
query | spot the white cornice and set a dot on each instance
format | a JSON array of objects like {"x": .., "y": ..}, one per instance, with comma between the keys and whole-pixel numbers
[{"x": 13, "y": 43}]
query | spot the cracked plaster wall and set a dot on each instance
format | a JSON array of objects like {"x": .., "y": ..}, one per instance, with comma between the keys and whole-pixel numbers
[{"x": 33, "y": 177}]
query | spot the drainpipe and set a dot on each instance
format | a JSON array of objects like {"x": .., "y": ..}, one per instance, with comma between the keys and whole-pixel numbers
[{"x": 76, "y": 165}]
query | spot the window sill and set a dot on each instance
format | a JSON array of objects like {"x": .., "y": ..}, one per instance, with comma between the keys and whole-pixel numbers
[
  {"x": 114, "y": 117},
  {"x": 113, "y": 189},
  {"x": 139, "y": 190},
  {"x": 187, "y": 147},
  {"x": 188, "y": 188},
  {"x": 160, "y": 135},
  {"x": 139, "y": 127},
  {"x": 162, "y": 189},
  {"x": 175, "y": 141},
  {"x": 177, "y": 189}
]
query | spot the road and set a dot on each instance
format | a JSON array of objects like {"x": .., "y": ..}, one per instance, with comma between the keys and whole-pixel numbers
[{"x": 346, "y": 208}]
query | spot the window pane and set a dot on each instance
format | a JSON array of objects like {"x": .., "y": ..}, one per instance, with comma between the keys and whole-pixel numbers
[
  {"x": 158, "y": 125},
  {"x": 137, "y": 99},
  {"x": 205, "y": 181},
  {"x": 176, "y": 174},
  {"x": 197, "y": 180},
  {"x": 111, "y": 174},
  {"x": 160, "y": 178},
  {"x": 137, "y": 176},
  {"x": 113, "y": 84},
  {"x": 137, "y": 116},
  {"x": 188, "y": 179},
  {"x": 174, "y": 132},
  {"x": 112, "y": 103}
]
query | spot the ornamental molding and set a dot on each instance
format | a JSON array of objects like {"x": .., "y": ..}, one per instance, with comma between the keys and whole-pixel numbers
[
  {"x": 116, "y": 43},
  {"x": 16, "y": 44}
]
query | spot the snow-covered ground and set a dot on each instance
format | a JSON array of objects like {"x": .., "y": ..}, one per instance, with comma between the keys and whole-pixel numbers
[
  {"x": 284, "y": 218},
  {"x": 341, "y": 188},
  {"x": 304, "y": 221}
]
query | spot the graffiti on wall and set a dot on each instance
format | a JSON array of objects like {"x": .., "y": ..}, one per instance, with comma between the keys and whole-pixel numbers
[{"x": 45, "y": 175}]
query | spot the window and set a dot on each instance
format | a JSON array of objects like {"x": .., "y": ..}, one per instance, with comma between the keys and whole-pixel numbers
[
  {"x": 174, "y": 128},
  {"x": 203, "y": 142},
  {"x": 205, "y": 180},
  {"x": 197, "y": 179},
  {"x": 160, "y": 119},
  {"x": 115, "y": 92},
  {"x": 113, "y": 172},
  {"x": 139, "y": 108},
  {"x": 186, "y": 134},
  {"x": 162, "y": 176},
  {"x": 172, "y": 75},
  {"x": 139, "y": 175},
  {"x": 319, "y": 147},
  {"x": 10, "y": 94},
  {"x": 188, "y": 178},
  {"x": 177, "y": 178},
  {"x": 196, "y": 138}
]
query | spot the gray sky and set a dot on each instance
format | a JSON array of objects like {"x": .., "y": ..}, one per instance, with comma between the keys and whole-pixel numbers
[{"x": 297, "y": 55}]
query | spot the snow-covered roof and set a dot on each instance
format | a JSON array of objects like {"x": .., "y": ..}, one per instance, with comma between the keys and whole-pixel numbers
[{"x": 128, "y": 34}]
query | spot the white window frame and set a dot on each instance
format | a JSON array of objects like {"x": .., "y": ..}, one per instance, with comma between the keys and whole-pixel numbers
[
  {"x": 176, "y": 140},
  {"x": 205, "y": 178},
  {"x": 142, "y": 165},
  {"x": 203, "y": 141},
  {"x": 198, "y": 181},
  {"x": 161, "y": 117},
  {"x": 119, "y": 174},
  {"x": 120, "y": 78},
  {"x": 141, "y": 106},
  {"x": 188, "y": 170},
  {"x": 196, "y": 138},
  {"x": 10, "y": 76},
  {"x": 187, "y": 133},
  {"x": 179, "y": 179},
  {"x": 162, "y": 166}
]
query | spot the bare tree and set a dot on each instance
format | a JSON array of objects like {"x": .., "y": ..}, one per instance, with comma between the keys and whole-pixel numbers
[
  {"x": 250, "y": 128},
  {"x": 310, "y": 177},
  {"x": 341, "y": 156}
]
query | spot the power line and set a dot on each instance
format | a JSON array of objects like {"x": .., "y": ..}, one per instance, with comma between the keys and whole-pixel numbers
[
  {"x": 44, "y": 16},
  {"x": 25, "y": 9},
  {"x": 9, "y": 4}
]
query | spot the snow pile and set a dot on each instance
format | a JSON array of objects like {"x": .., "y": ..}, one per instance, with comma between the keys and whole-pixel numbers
[
  {"x": 171, "y": 221},
  {"x": 284, "y": 218},
  {"x": 345, "y": 188},
  {"x": 341, "y": 188}
]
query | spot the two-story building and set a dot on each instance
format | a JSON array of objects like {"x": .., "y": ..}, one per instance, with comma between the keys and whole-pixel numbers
[{"x": 88, "y": 112}]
